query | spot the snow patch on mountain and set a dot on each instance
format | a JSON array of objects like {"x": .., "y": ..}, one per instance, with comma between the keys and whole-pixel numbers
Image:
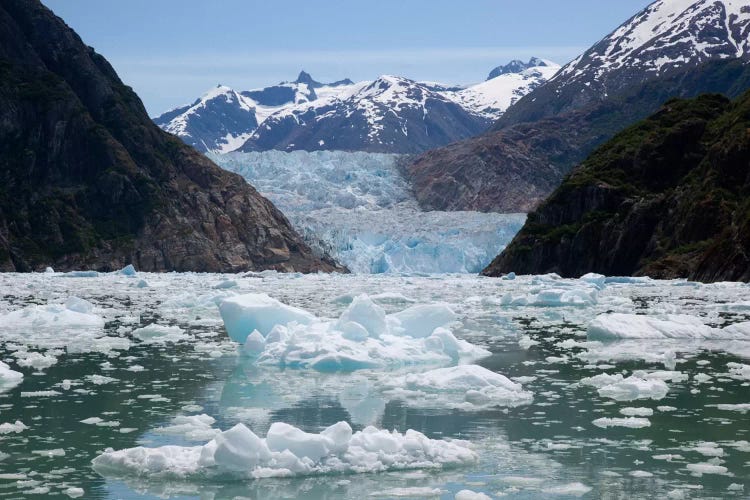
[{"x": 668, "y": 34}]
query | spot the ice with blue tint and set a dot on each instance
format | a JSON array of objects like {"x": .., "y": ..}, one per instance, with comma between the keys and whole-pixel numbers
[{"x": 359, "y": 208}]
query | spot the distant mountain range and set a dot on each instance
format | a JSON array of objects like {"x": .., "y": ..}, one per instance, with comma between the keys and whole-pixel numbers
[
  {"x": 673, "y": 48},
  {"x": 389, "y": 115}
]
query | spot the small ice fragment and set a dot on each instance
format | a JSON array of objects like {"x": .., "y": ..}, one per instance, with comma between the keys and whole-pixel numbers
[
  {"x": 128, "y": 270},
  {"x": 472, "y": 495}
]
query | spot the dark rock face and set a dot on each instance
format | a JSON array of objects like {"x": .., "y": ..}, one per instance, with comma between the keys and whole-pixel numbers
[
  {"x": 88, "y": 181},
  {"x": 516, "y": 168},
  {"x": 667, "y": 198}
]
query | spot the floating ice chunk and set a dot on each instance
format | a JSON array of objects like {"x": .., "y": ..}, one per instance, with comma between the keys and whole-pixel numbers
[
  {"x": 142, "y": 284},
  {"x": 736, "y": 487},
  {"x": 526, "y": 342},
  {"x": 49, "y": 270},
  {"x": 15, "y": 428},
  {"x": 601, "y": 380},
  {"x": 74, "y": 314},
  {"x": 633, "y": 388},
  {"x": 192, "y": 428},
  {"x": 737, "y": 331},
  {"x": 9, "y": 378},
  {"x": 364, "y": 312},
  {"x": 254, "y": 345},
  {"x": 74, "y": 492},
  {"x": 706, "y": 468},
  {"x": 159, "y": 334},
  {"x": 128, "y": 270},
  {"x": 420, "y": 321},
  {"x": 598, "y": 280},
  {"x": 288, "y": 451},
  {"x": 554, "y": 297},
  {"x": 739, "y": 371},
  {"x": 741, "y": 407},
  {"x": 35, "y": 360},
  {"x": 466, "y": 386},
  {"x": 471, "y": 495},
  {"x": 630, "y": 422},
  {"x": 637, "y": 412},
  {"x": 635, "y": 326},
  {"x": 79, "y": 305},
  {"x": 414, "y": 491},
  {"x": 364, "y": 337},
  {"x": 571, "y": 489},
  {"x": 243, "y": 314},
  {"x": 510, "y": 276},
  {"x": 223, "y": 285}
]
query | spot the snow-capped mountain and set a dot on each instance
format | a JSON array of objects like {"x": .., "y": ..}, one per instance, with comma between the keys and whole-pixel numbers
[
  {"x": 666, "y": 37},
  {"x": 391, "y": 114}
]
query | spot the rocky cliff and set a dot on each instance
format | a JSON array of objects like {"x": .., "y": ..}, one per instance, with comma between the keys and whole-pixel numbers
[
  {"x": 88, "y": 181},
  {"x": 668, "y": 197}
]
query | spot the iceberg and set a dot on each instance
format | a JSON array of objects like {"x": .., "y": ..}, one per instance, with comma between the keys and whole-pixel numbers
[
  {"x": 287, "y": 451},
  {"x": 363, "y": 336}
]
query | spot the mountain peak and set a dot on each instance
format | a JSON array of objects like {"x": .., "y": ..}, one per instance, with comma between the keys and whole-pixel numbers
[
  {"x": 305, "y": 77},
  {"x": 516, "y": 66}
]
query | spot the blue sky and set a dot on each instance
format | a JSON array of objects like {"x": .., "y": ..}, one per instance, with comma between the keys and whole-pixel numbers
[{"x": 172, "y": 51}]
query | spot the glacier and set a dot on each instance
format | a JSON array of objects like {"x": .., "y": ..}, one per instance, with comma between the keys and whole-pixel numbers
[{"x": 358, "y": 208}]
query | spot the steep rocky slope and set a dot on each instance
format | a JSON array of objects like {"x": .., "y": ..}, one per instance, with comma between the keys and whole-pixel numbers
[
  {"x": 87, "y": 180},
  {"x": 668, "y": 197},
  {"x": 516, "y": 168},
  {"x": 673, "y": 48}
]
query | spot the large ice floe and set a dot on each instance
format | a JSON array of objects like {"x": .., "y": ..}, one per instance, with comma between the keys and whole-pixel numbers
[
  {"x": 359, "y": 208},
  {"x": 364, "y": 336},
  {"x": 288, "y": 451},
  {"x": 670, "y": 326}
]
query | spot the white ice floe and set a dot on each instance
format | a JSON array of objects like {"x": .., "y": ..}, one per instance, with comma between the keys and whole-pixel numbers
[
  {"x": 472, "y": 495},
  {"x": 74, "y": 314},
  {"x": 619, "y": 388},
  {"x": 554, "y": 297},
  {"x": 706, "y": 468},
  {"x": 571, "y": 489},
  {"x": 288, "y": 451},
  {"x": 8, "y": 428},
  {"x": 192, "y": 428},
  {"x": 671, "y": 326},
  {"x": 9, "y": 378},
  {"x": 363, "y": 336},
  {"x": 637, "y": 412},
  {"x": 630, "y": 422},
  {"x": 466, "y": 387},
  {"x": 159, "y": 334}
]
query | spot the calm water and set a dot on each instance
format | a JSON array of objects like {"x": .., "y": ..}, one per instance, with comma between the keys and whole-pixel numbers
[{"x": 533, "y": 451}]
